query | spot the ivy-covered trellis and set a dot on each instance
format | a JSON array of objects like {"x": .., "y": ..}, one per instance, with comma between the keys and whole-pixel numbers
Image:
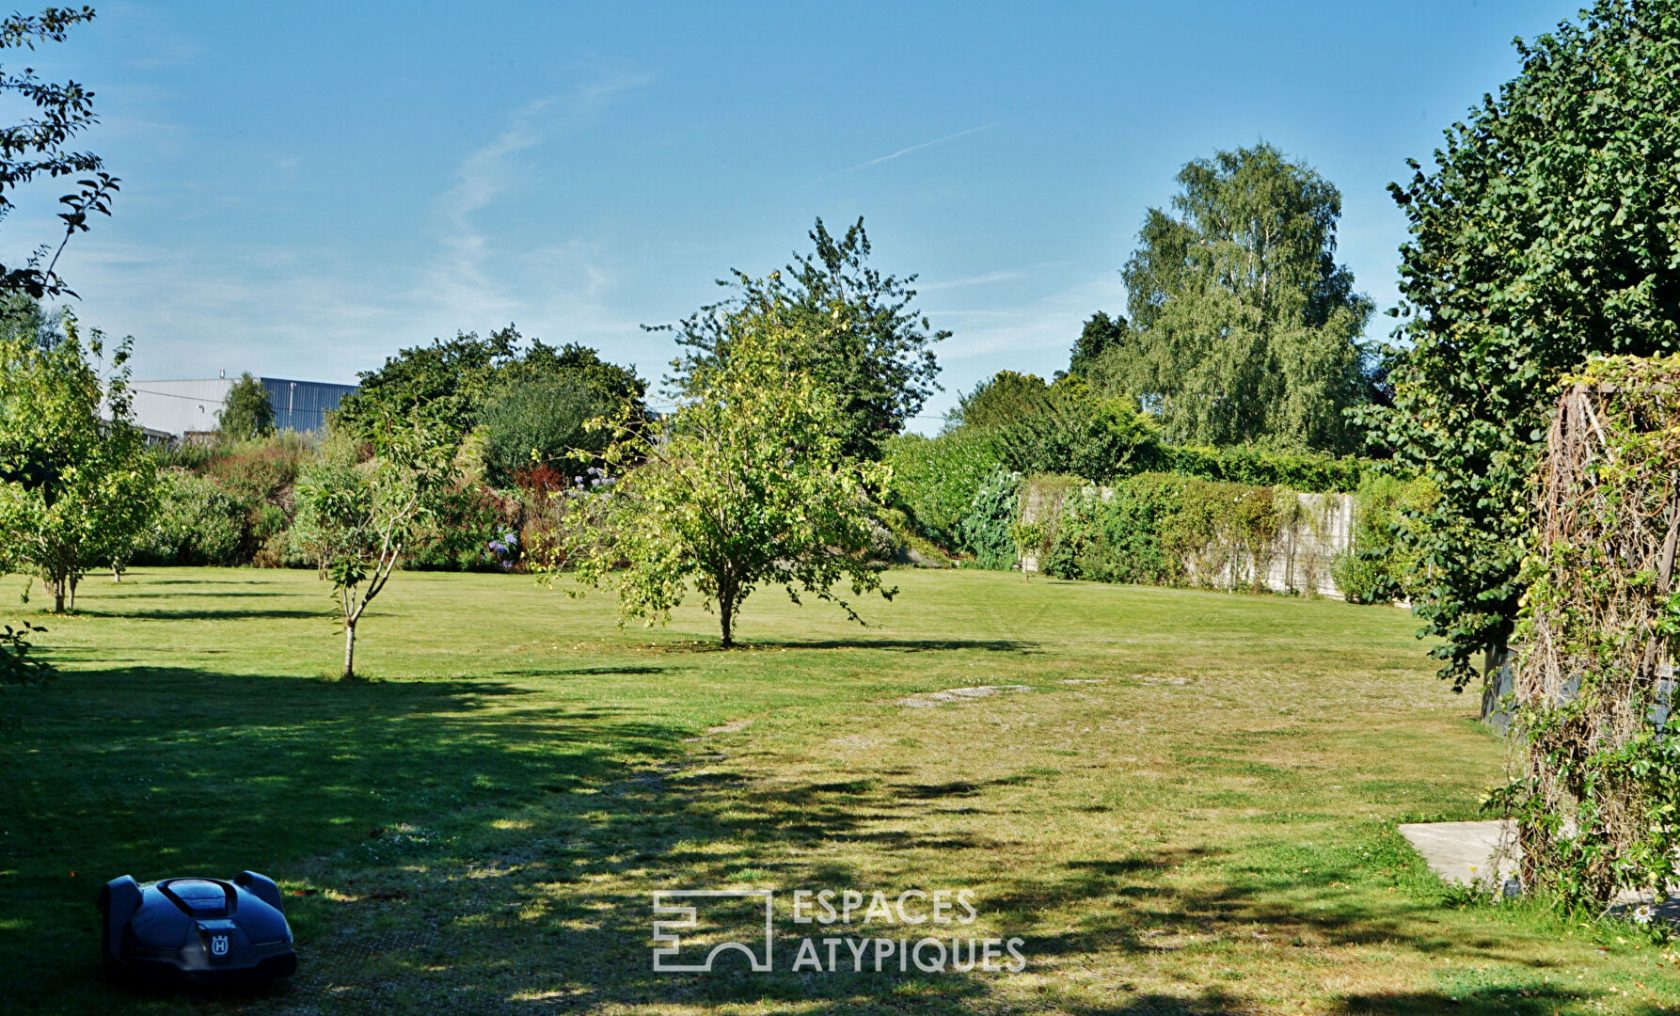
[{"x": 1596, "y": 802}]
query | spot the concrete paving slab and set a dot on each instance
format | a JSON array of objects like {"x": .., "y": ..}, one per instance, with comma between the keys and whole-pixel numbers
[
  {"x": 1466, "y": 853},
  {"x": 1486, "y": 854}
]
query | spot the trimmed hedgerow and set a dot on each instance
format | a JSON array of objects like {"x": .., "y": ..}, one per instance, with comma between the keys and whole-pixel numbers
[{"x": 1307, "y": 473}]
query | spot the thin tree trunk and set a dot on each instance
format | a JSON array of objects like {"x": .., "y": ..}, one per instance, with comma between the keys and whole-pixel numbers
[
  {"x": 726, "y": 610},
  {"x": 58, "y": 597},
  {"x": 349, "y": 649}
]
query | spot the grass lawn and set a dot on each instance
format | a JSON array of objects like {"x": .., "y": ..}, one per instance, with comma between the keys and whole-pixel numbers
[{"x": 1188, "y": 809}]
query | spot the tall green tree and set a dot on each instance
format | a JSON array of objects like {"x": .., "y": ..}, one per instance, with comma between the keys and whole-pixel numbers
[
  {"x": 76, "y": 485},
  {"x": 1243, "y": 328},
  {"x": 1099, "y": 334},
  {"x": 864, "y": 339},
  {"x": 247, "y": 413},
  {"x": 747, "y": 484},
  {"x": 1544, "y": 232}
]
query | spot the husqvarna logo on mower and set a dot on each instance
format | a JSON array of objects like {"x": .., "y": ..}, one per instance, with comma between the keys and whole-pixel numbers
[{"x": 218, "y": 945}]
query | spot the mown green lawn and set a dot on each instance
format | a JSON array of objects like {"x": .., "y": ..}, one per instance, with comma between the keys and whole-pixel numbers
[{"x": 1189, "y": 809}]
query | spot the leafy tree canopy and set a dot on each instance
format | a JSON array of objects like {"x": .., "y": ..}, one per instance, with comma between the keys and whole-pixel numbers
[
  {"x": 863, "y": 338},
  {"x": 748, "y": 483},
  {"x": 1100, "y": 334},
  {"x": 23, "y": 317},
  {"x": 450, "y": 382},
  {"x": 1243, "y": 328},
  {"x": 247, "y": 413},
  {"x": 1545, "y": 231},
  {"x": 1004, "y": 398}
]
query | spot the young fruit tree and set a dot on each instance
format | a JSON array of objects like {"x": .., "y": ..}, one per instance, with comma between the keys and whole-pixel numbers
[
  {"x": 366, "y": 515},
  {"x": 77, "y": 488},
  {"x": 746, "y": 484}
]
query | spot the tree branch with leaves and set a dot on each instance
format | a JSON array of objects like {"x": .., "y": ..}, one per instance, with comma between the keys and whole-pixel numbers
[{"x": 39, "y": 146}]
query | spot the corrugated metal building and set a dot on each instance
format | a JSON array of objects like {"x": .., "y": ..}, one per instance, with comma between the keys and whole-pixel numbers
[{"x": 183, "y": 407}]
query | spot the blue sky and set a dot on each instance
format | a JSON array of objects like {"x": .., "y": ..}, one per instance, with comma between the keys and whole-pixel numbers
[{"x": 309, "y": 187}]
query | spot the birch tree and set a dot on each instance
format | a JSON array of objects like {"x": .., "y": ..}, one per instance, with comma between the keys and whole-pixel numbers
[{"x": 1242, "y": 326}]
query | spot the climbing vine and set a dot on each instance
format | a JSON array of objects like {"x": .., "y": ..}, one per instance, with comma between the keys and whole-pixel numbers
[
  {"x": 1597, "y": 796},
  {"x": 984, "y": 531},
  {"x": 1170, "y": 530}
]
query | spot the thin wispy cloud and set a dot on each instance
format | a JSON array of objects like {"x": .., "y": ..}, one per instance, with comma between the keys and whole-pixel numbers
[
  {"x": 902, "y": 152},
  {"x": 462, "y": 283},
  {"x": 986, "y": 279}
]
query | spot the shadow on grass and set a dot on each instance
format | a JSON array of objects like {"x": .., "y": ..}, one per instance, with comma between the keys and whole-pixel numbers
[
  {"x": 465, "y": 846},
  {"x": 152, "y": 578},
  {"x": 1536, "y": 1001},
  {"x": 161, "y": 771},
  {"x": 223, "y": 594}
]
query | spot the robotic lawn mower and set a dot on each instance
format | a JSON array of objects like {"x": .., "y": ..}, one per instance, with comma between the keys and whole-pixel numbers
[{"x": 196, "y": 930}]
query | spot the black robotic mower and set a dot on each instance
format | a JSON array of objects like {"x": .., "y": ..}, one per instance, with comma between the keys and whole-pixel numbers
[{"x": 196, "y": 930}]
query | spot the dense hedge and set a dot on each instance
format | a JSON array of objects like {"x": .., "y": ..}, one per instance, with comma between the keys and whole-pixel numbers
[
  {"x": 936, "y": 479},
  {"x": 197, "y": 522}
]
